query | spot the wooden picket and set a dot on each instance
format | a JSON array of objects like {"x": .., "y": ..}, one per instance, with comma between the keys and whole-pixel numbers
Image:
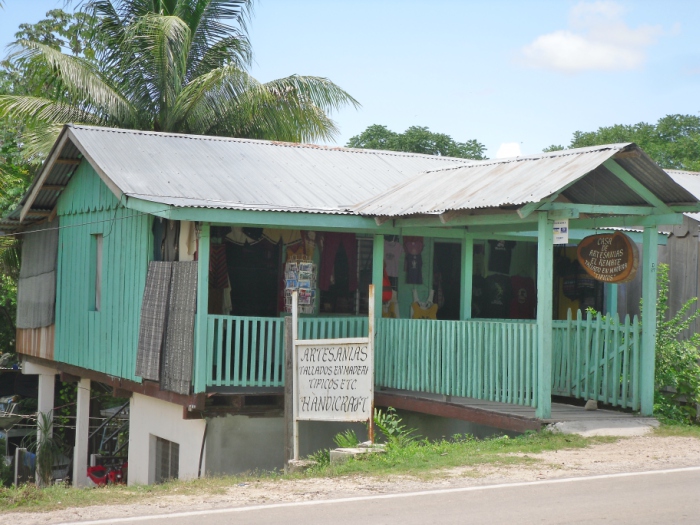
[
  {"x": 249, "y": 351},
  {"x": 597, "y": 357},
  {"x": 480, "y": 359}
]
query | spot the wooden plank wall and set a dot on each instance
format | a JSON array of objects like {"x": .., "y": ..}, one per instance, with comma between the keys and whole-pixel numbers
[
  {"x": 681, "y": 253},
  {"x": 104, "y": 340},
  {"x": 37, "y": 342}
]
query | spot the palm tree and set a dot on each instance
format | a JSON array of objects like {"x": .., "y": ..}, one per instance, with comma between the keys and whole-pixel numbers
[{"x": 171, "y": 65}]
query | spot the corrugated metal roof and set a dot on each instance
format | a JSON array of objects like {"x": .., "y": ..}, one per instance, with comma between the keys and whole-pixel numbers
[
  {"x": 690, "y": 180},
  {"x": 522, "y": 180},
  {"x": 187, "y": 170},
  {"x": 244, "y": 174}
]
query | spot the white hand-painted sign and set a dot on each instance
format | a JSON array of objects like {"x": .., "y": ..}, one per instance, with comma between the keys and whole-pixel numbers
[{"x": 333, "y": 378}]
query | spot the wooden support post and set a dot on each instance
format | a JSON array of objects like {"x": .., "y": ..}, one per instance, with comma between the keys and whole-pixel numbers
[
  {"x": 288, "y": 392},
  {"x": 82, "y": 429},
  {"x": 649, "y": 293},
  {"x": 467, "y": 272},
  {"x": 610, "y": 299},
  {"x": 378, "y": 272},
  {"x": 200, "y": 348},
  {"x": 545, "y": 283}
]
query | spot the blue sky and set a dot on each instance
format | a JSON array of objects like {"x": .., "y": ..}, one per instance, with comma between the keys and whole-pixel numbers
[{"x": 522, "y": 73}]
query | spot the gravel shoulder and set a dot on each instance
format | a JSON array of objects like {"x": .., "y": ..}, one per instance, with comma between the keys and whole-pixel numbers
[{"x": 625, "y": 455}]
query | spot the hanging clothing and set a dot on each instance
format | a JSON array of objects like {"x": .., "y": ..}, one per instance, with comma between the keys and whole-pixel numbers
[
  {"x": 171, "y": 241},
  {"x": 523, "y": 305},
  {"x": 158, "y": 230},
  {"x": 413, "y": 263},
  {"x": 423, "y": 310},
  {"x": 478, "y": 296},
  {"x": 498, "y": 295},
  {"x": 285, "y": 236},
  {"x": 500, "y": 256},
  {"x": 187, "y": 244},
  {"x": 332, "y": 243},
  {"x": 392, "y": 255},
  {"x": 218, "y": 266}
]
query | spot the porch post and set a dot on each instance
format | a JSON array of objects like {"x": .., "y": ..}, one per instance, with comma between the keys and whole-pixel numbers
[
  {"x": 545, "y": 283},
  {"x": 610, "y": 299},
  {"x": 650, "y": 240},
  {"x": 82, "y": 429},
  {"x": 200, "y": 353},
  {"x": 467, "y": 272},
  {"x": 378, "y": 272}
]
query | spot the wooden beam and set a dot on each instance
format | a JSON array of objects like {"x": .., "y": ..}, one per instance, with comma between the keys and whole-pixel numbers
[
  {"x": 52, "y": 216},
  {"x": 45, "y": 170},
  {"x": 40, "y": 213},
  {"x": 381, "y": 220},
  {"x": 52, "y": 187},
  {"x": 636, "y": 186},
  {"x": 69, "y": 162},
  {"x": 626, "y": 221},
  {"x": 600, "y": 209},
  {"x": 528, "y": 209}
]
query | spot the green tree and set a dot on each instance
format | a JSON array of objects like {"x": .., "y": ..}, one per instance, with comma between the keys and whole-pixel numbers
[
  {"x": 416, "y": 139},
  {"x": 169, "y": 65},
  {"x": 673, "y": 142}
]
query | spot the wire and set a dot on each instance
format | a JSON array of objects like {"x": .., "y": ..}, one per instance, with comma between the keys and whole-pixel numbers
[{"x": 85, "y": 223}]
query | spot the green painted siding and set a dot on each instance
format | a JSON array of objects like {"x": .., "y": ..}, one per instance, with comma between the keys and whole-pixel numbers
[{"x": 104, "y": 340}]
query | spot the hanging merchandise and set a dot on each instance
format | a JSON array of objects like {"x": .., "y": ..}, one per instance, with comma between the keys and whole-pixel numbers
[
  {"x": 390, "y": 308},
  {"x": 386, "y": 288},
  {"x": 392, "y": 255},
  {"x": 300, "y": 276},
  {"x": 414, "y": 261},
  {"x": 331, "y": 244},
  {"x": 500, "y": 255},
  {"x": 423, "y": 310},
  {"x": 498, "y": 295},
  {"x": 523, "y": 305}
]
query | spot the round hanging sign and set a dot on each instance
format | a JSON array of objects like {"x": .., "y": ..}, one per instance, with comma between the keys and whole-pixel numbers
[{"x": 609, "y": 257}]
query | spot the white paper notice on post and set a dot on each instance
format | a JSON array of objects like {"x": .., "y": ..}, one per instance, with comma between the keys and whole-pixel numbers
[
  {"x": 561, "y": 231},
  {"x": 335, "y": 380}
]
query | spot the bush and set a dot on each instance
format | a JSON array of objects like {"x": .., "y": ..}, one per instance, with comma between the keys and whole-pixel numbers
[
  {"x": 6, "y": 474},
  {"x": 677, "y": 373}
]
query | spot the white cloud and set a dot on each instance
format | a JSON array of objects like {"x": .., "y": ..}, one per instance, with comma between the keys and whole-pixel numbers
[
  {"x": 598, "y": 38},
  {"x": 508, "y": 149}
]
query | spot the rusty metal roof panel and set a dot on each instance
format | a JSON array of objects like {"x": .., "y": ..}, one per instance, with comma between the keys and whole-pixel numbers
[
  {"x": 246, "y": 174},
  {"x": 489, "y": 184},
  {"x": 579, "y": 174}
]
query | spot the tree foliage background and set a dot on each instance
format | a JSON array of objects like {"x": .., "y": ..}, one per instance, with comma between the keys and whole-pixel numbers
[
  {"x": 673, "y": 142},
  {"x": 416, "y": 139}
]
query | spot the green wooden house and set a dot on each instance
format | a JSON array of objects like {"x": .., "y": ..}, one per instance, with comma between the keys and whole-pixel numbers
[{"x": 168, "y": 258}]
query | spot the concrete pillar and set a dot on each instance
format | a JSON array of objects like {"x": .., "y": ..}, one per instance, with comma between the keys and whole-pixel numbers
[
  {"x": 45, "y": 401},
  {"x": 82, "y": 429}
]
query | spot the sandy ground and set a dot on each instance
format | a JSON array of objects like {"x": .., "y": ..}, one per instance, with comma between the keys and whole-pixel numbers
[{"x": 627, "y": 455}]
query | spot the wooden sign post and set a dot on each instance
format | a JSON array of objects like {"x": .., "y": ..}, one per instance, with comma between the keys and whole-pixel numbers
[
  {"x": 333, "y": 378},
  {"x": 609, "y": 257}
]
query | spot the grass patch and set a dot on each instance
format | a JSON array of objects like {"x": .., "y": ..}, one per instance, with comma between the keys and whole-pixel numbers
[
  {"x": 421, "y": 459},
  {"x": 668, "y": 429},
  {"x": 424, "y": 458}
]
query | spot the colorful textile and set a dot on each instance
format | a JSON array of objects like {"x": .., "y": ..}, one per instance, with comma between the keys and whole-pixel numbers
[{"x": 218, "y": 266}]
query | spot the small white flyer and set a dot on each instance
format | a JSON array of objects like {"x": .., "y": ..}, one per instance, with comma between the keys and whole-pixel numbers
[{"x": 561, "y": 231}]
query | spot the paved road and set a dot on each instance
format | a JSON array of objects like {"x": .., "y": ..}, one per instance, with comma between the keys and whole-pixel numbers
[{"x": 667, "y": 497}]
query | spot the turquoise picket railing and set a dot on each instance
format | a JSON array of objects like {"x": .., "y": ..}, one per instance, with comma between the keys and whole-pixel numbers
[
  {"x": 493, "y": 360},
  {"x": 249, "y": 351},
  {"x": 597, "y": 357}
]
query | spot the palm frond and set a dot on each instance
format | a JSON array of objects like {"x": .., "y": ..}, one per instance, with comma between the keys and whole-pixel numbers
[
  {"x": 163, "y": 42},
  {"x": 85, "y": 85}
]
